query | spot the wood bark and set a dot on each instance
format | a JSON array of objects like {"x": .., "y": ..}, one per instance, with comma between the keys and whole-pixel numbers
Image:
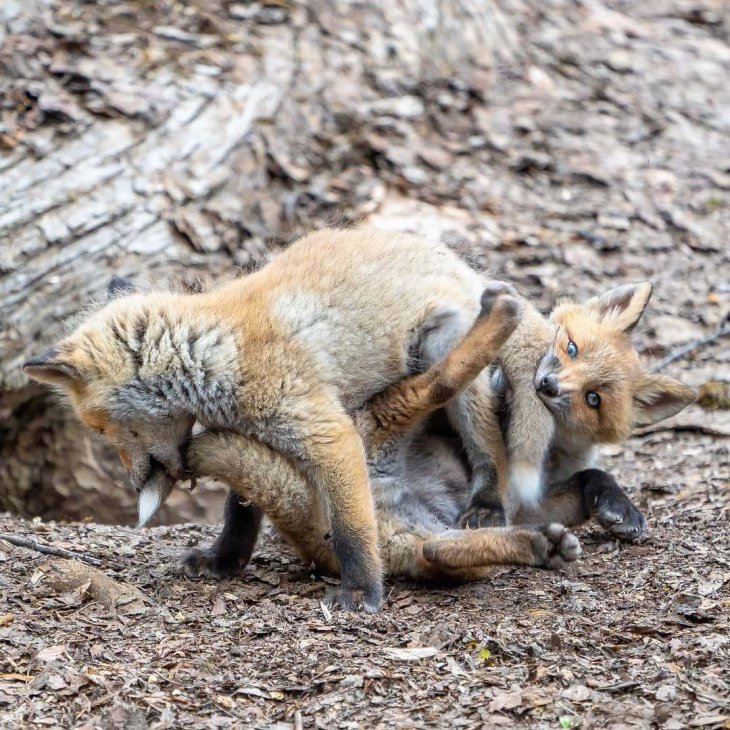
[{"x": 144, "y": 141}]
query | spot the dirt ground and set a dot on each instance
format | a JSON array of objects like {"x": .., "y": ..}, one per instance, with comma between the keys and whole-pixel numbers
[
  {"x": 630, "y": 636},
  {"x": 599, "y": 154}
]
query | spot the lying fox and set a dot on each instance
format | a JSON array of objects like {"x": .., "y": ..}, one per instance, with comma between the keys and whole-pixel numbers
[
  {"x": 418, "y": 474},
  {"x": 288, "y": 354}
]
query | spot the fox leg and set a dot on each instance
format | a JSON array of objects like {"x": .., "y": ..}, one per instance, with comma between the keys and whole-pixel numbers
[
  {"x": 473, "y": 416},
  {"x": 333, "y": 451},
  {"x": 403, "y": 404},
  {"x": 549, "y": 546},
  {"x": 234, "y": 546},
  {"x": 320, "y": 435},
  {"x": 257, "y": 473},
  {"x": 586, "y": 494}
]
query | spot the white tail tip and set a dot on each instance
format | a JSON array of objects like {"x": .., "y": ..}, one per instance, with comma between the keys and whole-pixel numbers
[{"x": 152, "y": 497}]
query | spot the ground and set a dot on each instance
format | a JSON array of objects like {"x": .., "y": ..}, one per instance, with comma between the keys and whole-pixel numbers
[
  {"x": 595, "y": 150},
  {"x": 630, "y": 636}
]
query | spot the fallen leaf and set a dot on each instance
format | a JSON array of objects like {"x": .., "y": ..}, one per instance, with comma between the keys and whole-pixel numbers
[
  {"x": 219, "y": 607},
  {"x": 51, "y": 653},
  {"x": 411, "y": 654},
  {"x": 505, "y": 701},
  {"x": 325, "y": 612}
]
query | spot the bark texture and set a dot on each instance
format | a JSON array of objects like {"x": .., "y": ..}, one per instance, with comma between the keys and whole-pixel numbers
[{"x": 145, "y": 139}]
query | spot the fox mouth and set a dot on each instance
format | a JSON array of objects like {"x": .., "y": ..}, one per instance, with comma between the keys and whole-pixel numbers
[{"x": 556, "y": 404}]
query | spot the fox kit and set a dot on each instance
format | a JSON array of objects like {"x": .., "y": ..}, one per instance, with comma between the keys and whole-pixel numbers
[
  {"x": 419, "y": 480},
  {"x": 285, "y": 355},
  {"x": 567, "y": 385}
]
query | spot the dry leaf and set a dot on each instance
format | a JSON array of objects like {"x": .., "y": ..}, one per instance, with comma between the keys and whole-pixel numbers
[
  {"x": 411, "y": 654},
  {"x": 51, "y": 653}
]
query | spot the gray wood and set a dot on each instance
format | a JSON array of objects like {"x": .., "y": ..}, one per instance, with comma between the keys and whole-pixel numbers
[{"x": 149, "y": 149}]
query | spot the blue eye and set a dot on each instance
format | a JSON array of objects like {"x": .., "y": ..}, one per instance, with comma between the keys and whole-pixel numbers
[
  {"x": 593, "y": 399},
  {"x": 572, "y": 350}
]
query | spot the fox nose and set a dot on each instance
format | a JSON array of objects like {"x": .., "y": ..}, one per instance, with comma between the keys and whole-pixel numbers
[{"x": 549, "y": 385}]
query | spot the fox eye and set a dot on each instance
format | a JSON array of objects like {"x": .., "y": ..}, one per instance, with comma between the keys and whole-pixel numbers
[
  {"x": 572, "y": 350},
  {"x": 593, "y": 399}
]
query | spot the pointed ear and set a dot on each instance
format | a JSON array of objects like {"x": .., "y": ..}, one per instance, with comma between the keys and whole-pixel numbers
[
  {"x": 51, "y": 368},
  {"x": 657, "y": 397},
  {"x": 623, "y": 305},
  {"x": 118, "y": 287}
]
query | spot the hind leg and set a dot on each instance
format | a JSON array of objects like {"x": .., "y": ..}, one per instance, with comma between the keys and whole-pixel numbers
[
  {"x": 473, "y": 416},
  {"x": 547, "y": 546},
  {"x": 403, "y": 404}
]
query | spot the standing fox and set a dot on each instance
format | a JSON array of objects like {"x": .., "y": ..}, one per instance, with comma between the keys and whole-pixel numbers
[{"x": 287, "y": 355}]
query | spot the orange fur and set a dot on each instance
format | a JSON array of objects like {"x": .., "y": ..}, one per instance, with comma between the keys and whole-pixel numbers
[{"x": 608, "y": 364}]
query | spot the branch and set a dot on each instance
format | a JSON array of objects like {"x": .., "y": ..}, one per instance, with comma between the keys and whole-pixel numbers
[
  {"x": 682, "y": 428},
  {"x": 48, "y": 550},
  {"x": 723, "y": 330}
]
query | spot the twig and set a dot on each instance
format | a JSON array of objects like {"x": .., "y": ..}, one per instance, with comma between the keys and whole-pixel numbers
[
  {"x": 48, "y": 550},
  {"x": 683, "y": 428},
  {"x": 721, "y": 331}
]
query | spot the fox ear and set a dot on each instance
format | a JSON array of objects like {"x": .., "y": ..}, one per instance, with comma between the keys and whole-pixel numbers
[
  {"x": 657, "y": 397},
  {"x": 51, "y": 368},
  {"x": 622, "y": 306},
  {"x": 119, "y": 287}
]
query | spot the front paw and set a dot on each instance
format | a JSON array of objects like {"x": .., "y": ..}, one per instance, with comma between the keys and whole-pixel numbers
[
  {"x": 475, "y": 517},
  {"x": 555, "y": 546},
  {"x": 207, "y": 563},
  {"x": 349, "y": 599},
  {"x": 615, "y": 512}
]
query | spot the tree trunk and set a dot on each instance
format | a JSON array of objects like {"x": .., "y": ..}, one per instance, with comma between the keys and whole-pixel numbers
[{"x": 146, "y": 140}]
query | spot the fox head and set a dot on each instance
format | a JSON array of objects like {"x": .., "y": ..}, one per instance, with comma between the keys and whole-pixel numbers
[
  {"x": 139, "y": 374},
  {"x": 592, "y": 379}
]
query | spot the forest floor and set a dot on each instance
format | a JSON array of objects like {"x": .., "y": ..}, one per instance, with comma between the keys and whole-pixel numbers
[
  {"x": 629, "y": 636},
  {"x": 599, "y": 155}
]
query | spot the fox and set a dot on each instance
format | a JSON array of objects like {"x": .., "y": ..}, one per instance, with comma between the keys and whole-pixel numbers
[
  {"x": 575, "y": 361},
  {"x": 418, "y": 478},
  {"x": 565, "y": 385},
  {"x": 287, "y": 355}
]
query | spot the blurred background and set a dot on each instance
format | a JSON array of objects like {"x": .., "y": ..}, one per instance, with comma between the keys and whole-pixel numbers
[{"x": 567, "y": 146}]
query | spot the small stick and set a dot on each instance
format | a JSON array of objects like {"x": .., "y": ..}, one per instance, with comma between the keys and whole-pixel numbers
[
  {"x": 723, "y": 330},
  {"x": 682, "y": 428},
  {"x": 48, "y": 550}
]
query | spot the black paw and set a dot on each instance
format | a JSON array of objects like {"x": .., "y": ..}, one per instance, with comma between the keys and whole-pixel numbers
[
  {"x": 208, "y": 563},
  {"x": 615, "y": 512},
  {"x": 476, "y": 517},
  {"x": 556, "y": 546}
]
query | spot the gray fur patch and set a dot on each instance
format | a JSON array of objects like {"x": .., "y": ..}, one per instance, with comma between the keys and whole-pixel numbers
[{"x": 181, "y": 370}]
